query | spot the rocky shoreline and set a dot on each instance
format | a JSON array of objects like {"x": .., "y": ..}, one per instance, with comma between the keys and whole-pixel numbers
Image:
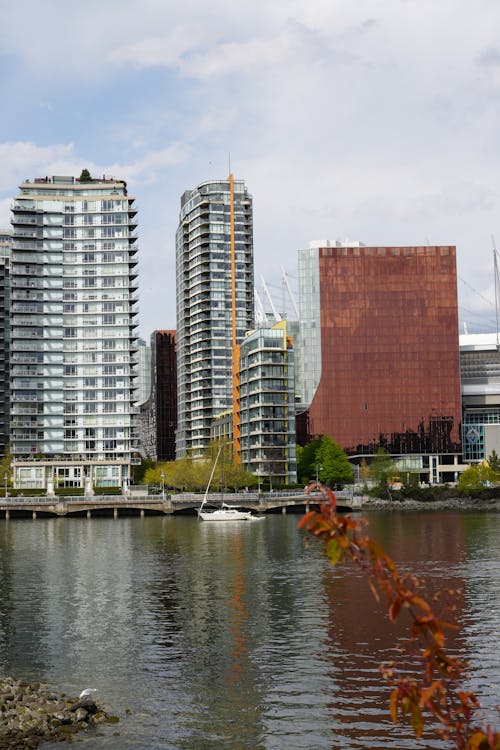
[
  {"x": 35, "y": 713},
  {"x": 477, "y": 505}
]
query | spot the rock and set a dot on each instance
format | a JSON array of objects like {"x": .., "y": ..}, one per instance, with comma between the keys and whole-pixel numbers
[
  {"x": 32, "y": 714},
  {"x": 87, "y": 703},
  {"x": 81, "y": 714}
]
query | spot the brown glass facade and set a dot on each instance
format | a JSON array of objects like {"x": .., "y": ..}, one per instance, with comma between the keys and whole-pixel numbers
[
  {"x": 390, "y": 372},
  {"x": 164, "y": 350}
]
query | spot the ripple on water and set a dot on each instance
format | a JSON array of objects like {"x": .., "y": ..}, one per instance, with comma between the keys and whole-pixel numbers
[{"x": 238, "y": 638}]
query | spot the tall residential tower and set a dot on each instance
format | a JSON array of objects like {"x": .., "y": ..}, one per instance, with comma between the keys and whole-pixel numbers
[
  {"x": 73, "y": 333},
  {"x": 215, "y": 303},
  {"x": 5, "y": 245}
]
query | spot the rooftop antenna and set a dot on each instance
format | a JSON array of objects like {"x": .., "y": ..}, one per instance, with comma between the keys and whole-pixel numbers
[{"x": 497, "y": 286}]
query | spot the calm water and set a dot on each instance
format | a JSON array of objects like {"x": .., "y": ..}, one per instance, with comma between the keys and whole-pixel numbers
[{"x": 232, "y": 636}]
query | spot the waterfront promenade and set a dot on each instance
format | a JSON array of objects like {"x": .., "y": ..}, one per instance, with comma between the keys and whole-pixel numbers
[{"x": 142, "y": 504}]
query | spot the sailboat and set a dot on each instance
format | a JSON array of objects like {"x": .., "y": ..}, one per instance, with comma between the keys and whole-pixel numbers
[{"x": 225, "y": 512}]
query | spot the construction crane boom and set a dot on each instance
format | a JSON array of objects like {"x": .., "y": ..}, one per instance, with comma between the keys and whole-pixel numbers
[
  {"x": 290, "y": 295},
  {"x": 276, "y": 314}
]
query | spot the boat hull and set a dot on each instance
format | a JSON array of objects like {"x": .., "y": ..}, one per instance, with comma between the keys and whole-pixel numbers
[{"x": 225, "y": 514}]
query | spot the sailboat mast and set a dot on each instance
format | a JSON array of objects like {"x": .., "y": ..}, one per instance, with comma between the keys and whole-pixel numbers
[
  {"x": 497, "y": 290},
  {"x": 210, "y": 480}
]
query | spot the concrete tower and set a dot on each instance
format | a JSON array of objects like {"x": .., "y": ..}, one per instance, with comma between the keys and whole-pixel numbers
[{"x": 215, "y": 303}]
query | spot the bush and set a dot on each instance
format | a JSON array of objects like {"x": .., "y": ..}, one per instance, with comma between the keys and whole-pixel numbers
[
  {"x": 68, "y": 491},
  {"x": 108, "y": 490}
]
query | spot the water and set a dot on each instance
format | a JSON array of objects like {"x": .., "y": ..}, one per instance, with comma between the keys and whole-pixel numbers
[{"x": 233, "y": 635}]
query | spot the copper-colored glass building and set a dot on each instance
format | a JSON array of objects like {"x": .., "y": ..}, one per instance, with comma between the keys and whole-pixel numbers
[
  {"x": 379, "y": 347},
  {"x": 164, "y": 348}
]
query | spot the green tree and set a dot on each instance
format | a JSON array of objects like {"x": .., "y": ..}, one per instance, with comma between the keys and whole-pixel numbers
[
  {"x": 193, "y": 474},
  {"x": 334, "y": 466},
  {"x": 494, "y": 462},
  {"x": 237, "y": 478},
  {"x": 85, "y": 176},
  {"x": 382, "y": 468},
  {"x": 306, "y": 461},
  {"x": 476, "y": 477},
  {"x": 140, "y": 471},
  {"x": 5, "y": 469},
  {"x": 364, "y": 471}
]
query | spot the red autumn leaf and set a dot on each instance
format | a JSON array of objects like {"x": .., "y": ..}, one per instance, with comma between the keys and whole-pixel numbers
[
  {"x": 393, "y": 705},
  {"x": 394, "y": 610},
  {"x": 417, "y": 721},
  {"x": 305, "y": 519}
]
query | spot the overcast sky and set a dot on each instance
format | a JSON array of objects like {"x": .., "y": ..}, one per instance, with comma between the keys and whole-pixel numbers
[{"x": 373, "y": 120}]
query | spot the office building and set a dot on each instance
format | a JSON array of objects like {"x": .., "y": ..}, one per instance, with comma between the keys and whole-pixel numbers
[
  {"x": 379, "y": 355},
  {"x": 480, "y": 378},
  {"x": 73, "y": 333},
  {"x": 215, "y": 303},
  {"x": 267, "y": 404},
  {"x": 159, "y": 412}
]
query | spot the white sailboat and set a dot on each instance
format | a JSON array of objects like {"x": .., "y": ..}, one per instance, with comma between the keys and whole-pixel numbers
[{"x": 225, "y": 512}]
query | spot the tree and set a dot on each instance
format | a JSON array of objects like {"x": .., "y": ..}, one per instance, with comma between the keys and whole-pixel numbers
[
  {"x": 494, "y": 462},
  {"x": 382, "y": 468},
  {"x": 334, "y": 466},
  {"x": 187, "y": 473},
  {"x": 5, "y": 468},
  {"x": 85, "y": 176},
  {"x": 306, "y": 461},
  {"x": 476, "y": 477},
  {"x": 364, "y": 471},
  {"x": 237, "y": 477},
  {"x": 140, "y": 471}
]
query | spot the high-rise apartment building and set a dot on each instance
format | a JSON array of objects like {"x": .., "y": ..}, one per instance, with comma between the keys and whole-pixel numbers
[
  {"x": 164, "y": 373},
  {"x": 267, "y": 404},
  {"x": 73, "y": 332},
  {"x": 5, "y": 246},
  {"x": 215, "y": 303},
  {"x": 143, "y": 371},
  {"x": 158, "y": 415},
  {"x": 379, "y": 353}
]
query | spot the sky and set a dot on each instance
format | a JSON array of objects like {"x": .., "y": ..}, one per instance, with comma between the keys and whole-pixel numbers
[{"x": 374, "y": 120}]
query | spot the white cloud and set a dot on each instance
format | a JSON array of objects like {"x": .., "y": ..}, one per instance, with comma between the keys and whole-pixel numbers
[
  {"x": 151, "y": 164},
  {"x": 20, "y": 160},
  {"x": 153, "y": 51},
  {"x": 376, "y": 121},
  {"x": 5, "y": 213}
]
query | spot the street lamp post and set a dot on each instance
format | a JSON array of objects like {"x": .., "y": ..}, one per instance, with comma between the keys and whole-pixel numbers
[
  {"x": 162, "y": 475},
  {"x": 318, "y": 469}
]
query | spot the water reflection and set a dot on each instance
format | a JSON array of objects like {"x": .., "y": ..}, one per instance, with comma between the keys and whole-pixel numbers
[{"x": 231, "y": 636}]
